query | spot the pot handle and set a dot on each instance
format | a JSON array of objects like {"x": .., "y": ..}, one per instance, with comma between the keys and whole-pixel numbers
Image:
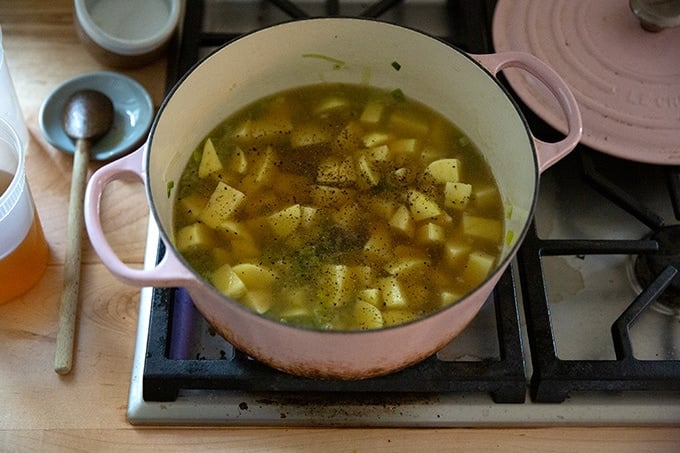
[
  {"x": 169, "y": 271},
  {"x": 548, "y": 153}
]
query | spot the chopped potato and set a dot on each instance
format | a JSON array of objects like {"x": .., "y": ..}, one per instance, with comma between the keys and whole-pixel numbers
[
  {"x": 228, "y": 282},
  {"x": 456, "y": 253},
  {"x": 378, "y": 154},
  {"x": 259, "y": 301},
  {"x": 285, "y": 221},
  {"x": 404, "y": 146},
  {"x": 422, "y": 206},
  {"x": 373, "y": 139},
  {"x": 402, "y": 221},
  {"x": 296, "y": 309},
  {"x": 379, "y": 245},
  {"x": 430, "y": 234},
  {"x": 367, "y": 315},
  {"x": 447, "y": 298},
  {"x": 395, "y": 317},
  {"x": 195, "y": 236},
  {"x": 370, "y": 296},
  {"x": 419, "y": 296},
  {"x": 268, "y": 130},
  {"x": 239, "y": 161},
  {"x": 392, "y": 293},
  {"x": 331, "y": 103},
  {"x": 443, "y": 171},
  {"x": 478, "y": 267},
  {"x": 266, "y": 168},
  {"x": 210, "y": 161},
  {"x": 402, "y": 176},
  {"x": 482, "y": 228},
  {"x": 372, "y": 112},
  {"x": 335, "y": 284},
  {"x": 221, "y": 205},
  {"x": 368, "y": 175},
  {"x": 308, "y": 216},
  {"x": 457, "y": 195},
  {"x": 255, "y": 276}
]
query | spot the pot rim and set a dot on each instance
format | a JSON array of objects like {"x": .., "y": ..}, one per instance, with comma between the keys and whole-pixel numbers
[{"x": 509, "y": 251}]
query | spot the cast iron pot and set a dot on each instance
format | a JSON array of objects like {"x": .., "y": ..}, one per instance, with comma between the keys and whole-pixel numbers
[{"x": 460, "y": 86}]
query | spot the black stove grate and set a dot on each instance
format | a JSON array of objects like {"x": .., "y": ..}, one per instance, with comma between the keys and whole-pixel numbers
[{"x": 553, "y": 379}]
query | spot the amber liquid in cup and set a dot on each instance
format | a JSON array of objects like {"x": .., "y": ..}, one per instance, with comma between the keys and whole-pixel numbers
[{"x": 24, "y": 265}]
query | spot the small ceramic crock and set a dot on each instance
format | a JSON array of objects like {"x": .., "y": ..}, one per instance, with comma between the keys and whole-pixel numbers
[{"x": 126, "y": 34}]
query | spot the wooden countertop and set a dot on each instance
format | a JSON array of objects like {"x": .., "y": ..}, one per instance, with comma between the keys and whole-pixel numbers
[{"x": 42, "y": 411}]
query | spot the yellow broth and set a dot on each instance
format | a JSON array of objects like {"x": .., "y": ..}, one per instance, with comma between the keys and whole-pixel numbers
[{"x": 341, "y": 207}]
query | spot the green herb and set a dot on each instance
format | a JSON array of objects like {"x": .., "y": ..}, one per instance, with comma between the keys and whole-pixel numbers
[
  {"x": 509, "y": 236},
  {"x": 305, "y": 262},
  {"x": 397, "y": 94},
  {"x": 337, "y": 64},
  {"x": 170, "y": 185},
  {"x": 396, "y": 65}
]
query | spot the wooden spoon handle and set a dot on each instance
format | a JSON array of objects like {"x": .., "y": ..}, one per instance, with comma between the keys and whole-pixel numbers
[{"x": 63, "y": 358}]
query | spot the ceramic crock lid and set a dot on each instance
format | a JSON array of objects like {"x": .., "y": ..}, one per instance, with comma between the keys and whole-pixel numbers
[{"x": 626, "y": 80}]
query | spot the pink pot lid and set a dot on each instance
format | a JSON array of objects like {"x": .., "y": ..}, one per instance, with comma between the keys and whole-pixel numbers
[{"x": 626, "y": 80}]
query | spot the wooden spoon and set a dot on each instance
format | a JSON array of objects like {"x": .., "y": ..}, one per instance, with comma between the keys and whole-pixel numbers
[{"x": 87, "y": 116}]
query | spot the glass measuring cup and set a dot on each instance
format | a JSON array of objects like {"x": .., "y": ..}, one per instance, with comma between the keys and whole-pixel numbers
[{"x": 23, "y": 248}]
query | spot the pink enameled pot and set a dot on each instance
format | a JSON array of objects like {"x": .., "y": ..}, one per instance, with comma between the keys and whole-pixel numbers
[{"x": 460, "y": 86}]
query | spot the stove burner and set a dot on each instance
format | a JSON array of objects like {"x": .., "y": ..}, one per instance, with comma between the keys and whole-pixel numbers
[{"x": 648, "y": 266}]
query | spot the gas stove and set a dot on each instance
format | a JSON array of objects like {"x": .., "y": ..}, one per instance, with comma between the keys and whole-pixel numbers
[{"x": 575, "y": 333}]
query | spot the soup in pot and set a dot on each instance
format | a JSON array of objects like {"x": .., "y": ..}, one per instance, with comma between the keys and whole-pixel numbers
[{"x": 339, "y": 207}]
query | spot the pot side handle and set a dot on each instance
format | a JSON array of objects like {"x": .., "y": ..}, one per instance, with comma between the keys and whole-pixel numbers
[
  {"x": 169, "y": 271},
  {"x": 548, "y": 153}
]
